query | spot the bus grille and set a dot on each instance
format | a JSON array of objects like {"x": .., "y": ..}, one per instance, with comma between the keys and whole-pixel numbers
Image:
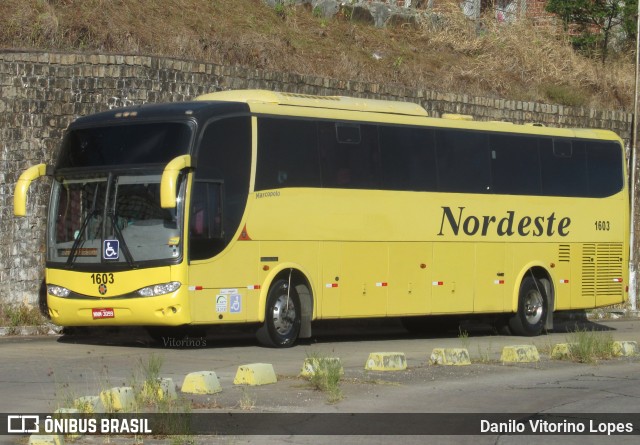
[{"x": 602, "y": 269}]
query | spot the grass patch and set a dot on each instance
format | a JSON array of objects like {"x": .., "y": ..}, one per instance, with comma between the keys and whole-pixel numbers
[
  {"x": 566, "y": 95},
  {"x": 590, "y": 346},
  {"x": 13, "y": 315},
  {"x": 324, "y": 375}
]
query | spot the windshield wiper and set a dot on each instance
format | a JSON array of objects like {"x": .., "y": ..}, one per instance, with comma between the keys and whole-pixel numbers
[
  {"x": 78, "y": 240},
  {"x": 120, "y": 237}
]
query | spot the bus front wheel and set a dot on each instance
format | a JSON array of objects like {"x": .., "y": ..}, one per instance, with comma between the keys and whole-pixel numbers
[
  {"x": 532, "y": 309},
  {"x": 282, "y": 317}
]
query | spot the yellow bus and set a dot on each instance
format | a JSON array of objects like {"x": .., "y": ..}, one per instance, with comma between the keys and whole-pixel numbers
[{"x": 281, "y": 209}]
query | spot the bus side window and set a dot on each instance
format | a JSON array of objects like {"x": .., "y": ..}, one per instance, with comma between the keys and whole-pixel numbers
[
  {"x": 350, "y": 155},
  {"x": 224, "y": 156},
  {"x": 287, "y": 154},
  {"x": 205, "y": 226},
  {"x": 515, "y": 164},
  {"x": 463, "y": 161},
  {"x": 407, "y": 159},
  {"x": 563, "y": 167}
]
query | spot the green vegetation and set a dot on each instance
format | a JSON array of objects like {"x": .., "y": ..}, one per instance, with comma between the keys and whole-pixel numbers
[
  {"x": 594, "y": 22},
  {"x": 325, "y": 376},
  {"x": 590, "y": 346},
  {"x": 14, "y": 316},
  {"x": 443, "y": 51}
]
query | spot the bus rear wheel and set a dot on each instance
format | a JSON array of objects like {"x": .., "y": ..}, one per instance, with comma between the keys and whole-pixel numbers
[
  {"x": 281, "y": 325},
  {"x": 530, "y": 319}
]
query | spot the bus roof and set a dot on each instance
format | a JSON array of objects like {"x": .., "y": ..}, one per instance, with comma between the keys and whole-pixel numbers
[
  {"x": 311, "y": 101},
  {"x": 384, "y": 107}
]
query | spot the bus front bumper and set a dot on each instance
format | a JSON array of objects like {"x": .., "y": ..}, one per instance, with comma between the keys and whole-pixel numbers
[{"x": 164, "y": 310}]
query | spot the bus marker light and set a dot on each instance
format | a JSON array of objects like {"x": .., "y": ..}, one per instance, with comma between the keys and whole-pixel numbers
[
  {"x": 330, "y": 285},
  {"x": 253, "y": 287},
  {"x": 438, "y": 283},
  {"x": 564, "y": 281},
  {"x": 498, "y": 282},
  {"x": 192, "y": 288},
  {"x": 383, "y": 284},
  {"x": 265, "y": 268},
  {"x": 617, "y": 280},
  {"x": 423, "y": 266}
]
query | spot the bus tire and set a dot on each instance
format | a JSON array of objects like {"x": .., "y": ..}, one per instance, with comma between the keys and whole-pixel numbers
[
  {"x": 530, "y": 319},
  {"x": 282, "y": 319}
]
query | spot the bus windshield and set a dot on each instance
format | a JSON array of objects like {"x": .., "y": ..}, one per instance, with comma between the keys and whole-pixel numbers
[
  {"x": 124, "y": 144},
  {"x": 112, "y": 219}
]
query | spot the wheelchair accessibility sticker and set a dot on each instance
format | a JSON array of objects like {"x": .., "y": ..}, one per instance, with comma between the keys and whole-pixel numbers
[
  {"x": 235, "y": 303},
  {"x": 111, "y": 249}
]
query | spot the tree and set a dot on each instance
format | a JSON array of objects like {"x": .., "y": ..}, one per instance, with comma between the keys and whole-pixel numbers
[{"x": 595, "y": 21}]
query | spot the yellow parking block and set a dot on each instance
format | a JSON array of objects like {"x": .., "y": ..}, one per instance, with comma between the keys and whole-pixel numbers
[
  {"x": 315, "y": 365},
  {"x": 202, "y": 382},
  {"x": 119, "y": 399},
  {"x": 255, "y": 374},
  {"x": 625, "y": 348},
  {"x": 386, "y": 361},
  {"x": 43, "y": 439},
  {"x": 450, "y": 356},
  {"x": 562, "y": 351},
  {"x": 520, "y": 354}
]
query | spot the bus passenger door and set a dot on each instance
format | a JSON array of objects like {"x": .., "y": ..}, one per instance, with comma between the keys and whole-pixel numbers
[
  {"x": 409, "y": 279},
  {"x": 491, "y": 277},
  {"x": 452, "y": 278}
]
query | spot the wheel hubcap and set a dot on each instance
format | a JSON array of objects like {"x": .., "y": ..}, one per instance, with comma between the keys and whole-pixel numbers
[
  {"x": 284, "y": 315},
  {"x": 533, "y": 305}
]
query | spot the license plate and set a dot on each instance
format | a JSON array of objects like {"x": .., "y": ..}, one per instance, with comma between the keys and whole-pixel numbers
[{"x": 102, "y": 313}]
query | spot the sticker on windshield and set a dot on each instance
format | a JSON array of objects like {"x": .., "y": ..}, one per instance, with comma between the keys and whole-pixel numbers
[{"x": 111, "y": 249}]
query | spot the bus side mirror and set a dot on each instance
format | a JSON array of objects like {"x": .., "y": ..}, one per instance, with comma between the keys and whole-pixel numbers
[
  {"x": 169, "y": 179},
  {"x": 22, "y": 186}
]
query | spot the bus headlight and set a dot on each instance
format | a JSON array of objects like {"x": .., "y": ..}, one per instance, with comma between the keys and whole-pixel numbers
[
  {"x": 159, "y": 289},
  {"x": 58, "y": 291}
]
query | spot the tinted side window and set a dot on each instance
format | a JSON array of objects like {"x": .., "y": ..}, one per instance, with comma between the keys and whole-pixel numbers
[
  {"x": 287, "y": 154},
  {"x": 563, "y": 167},
  {"x": 205, "y": 224},
  {"x": 515, "y": 166},
  {"x": 349, "y": 155},
  {"x": 463, "y": 161},
  {"x": 408, "y": 159},
  {"x": 224, "y": 157},
  {"x": 604, "y": 164}
]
